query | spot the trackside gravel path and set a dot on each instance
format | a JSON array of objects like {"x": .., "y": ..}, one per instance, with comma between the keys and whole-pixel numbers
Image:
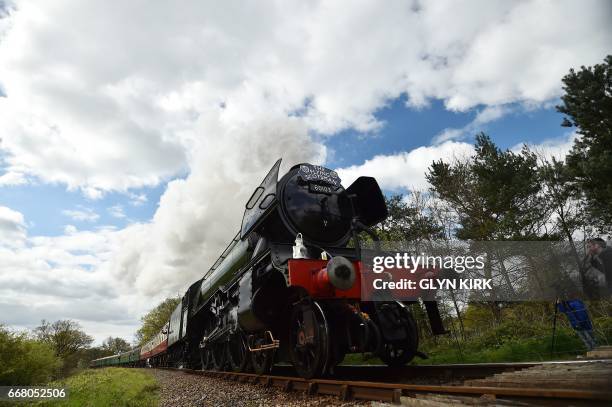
[{"x": 180, "y": 389}]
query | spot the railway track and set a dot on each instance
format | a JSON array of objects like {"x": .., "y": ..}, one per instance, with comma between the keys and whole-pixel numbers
[
  {"x": 392, "y": 392},
  {"x": 422, "y": 374}
]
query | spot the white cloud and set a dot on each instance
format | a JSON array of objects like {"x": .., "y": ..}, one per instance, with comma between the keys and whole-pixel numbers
[
  {"x": 12, "y": 227},
  {"x": 12, "y": 178},
  {"x": 60, "y": 277},
  {"x": 557, "y": 147},
  {"x": 137, "y": 199},
  {"x": 483, "y": 116},
  {"x": 116, "y": 101},
  {"x": 405, "y": 169},
  {"x": 116, "y": 211},
  {"x": 81, "y": 214},
  {"x": 490, "y": 113}
]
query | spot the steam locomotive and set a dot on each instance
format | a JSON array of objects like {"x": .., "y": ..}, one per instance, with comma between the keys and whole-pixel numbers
[{"x": 288, "y": 286}]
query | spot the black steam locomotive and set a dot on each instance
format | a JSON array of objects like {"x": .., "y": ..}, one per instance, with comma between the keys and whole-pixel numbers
[{"x": 288, "y": 286}]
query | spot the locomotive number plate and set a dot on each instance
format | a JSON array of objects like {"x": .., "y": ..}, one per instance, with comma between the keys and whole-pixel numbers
[
  {"x": 321, "y": 189},
  {"x": 318, "y": 174}
]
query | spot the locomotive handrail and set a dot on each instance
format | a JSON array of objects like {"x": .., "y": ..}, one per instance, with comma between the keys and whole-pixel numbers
[
  {"x": 248, "y": 265},
  {"x": 223, "y": 256}
]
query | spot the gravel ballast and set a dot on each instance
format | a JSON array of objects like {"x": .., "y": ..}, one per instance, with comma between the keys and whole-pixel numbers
[{"x": 182, "y": 389}]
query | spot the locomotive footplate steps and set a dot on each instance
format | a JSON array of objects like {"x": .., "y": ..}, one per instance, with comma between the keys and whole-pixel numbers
[{"x": 392, "y": 392}]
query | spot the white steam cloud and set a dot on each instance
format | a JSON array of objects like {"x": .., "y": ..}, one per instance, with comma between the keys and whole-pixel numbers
[{"x": 199, "y": 215}]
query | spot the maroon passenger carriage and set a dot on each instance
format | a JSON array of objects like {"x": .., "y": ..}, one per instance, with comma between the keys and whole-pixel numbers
[{"x": 153, "y": 353}]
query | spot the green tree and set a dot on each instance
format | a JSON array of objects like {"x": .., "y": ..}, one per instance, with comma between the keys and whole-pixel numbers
[
  {"x": 65, "y": 336},
  {"x": 562, "y": 197},
  {"x": 409, "y": 219},
  {"x": 155, "y": 319},
  {"x": 587, "y": 104},
  {"x": 113, "y": 346},
  {"x": 24, "y": 361},
  {"x": 567, "y": 204},
  {"x": 495, "y": 194}
]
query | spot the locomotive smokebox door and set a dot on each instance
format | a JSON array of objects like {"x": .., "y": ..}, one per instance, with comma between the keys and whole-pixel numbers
[{"x": 313, "y": 203}]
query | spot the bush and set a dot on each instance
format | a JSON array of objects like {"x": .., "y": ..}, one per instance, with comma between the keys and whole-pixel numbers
[
  {"x": 24, "y": 361},
  {"x": 508, "y": 331},
  {"x": 507, "y": 348},
  {"x": 603, "y": 330}
]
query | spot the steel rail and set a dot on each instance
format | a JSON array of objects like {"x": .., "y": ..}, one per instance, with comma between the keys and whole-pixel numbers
[
  {"x": 425, "y": 374},
  {"x": 392, "y": 392}
]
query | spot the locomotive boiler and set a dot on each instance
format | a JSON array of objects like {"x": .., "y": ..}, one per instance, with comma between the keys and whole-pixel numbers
[{"x": 288, "y": 286}]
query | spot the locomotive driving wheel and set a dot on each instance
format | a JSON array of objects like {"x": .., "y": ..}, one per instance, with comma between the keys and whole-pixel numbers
[
  {"x": 238, "y": 353},
  {"x": 399, "y": 352},
  {"x": 219, "y": 355},
  {"x": 309, "y": 339},
  {"x": 205, "y": 358},
  {"x": 262, "y": 360}
]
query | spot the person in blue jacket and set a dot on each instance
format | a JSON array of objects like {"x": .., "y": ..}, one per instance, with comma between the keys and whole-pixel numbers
[{"x": 578, "y": 317}]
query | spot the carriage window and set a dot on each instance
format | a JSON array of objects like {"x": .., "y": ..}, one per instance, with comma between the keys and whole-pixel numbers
[{"x": 254, "y": 198}]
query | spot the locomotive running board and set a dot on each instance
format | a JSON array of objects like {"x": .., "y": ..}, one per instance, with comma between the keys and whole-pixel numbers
[{"x": 275, "y": 344}]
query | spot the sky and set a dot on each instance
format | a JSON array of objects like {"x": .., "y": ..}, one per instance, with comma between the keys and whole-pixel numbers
[{"x": 132, "y": 133}]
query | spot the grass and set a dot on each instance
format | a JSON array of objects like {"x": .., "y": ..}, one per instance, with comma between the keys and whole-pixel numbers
[
  {"x": 107, "y": 387},
  {"x": 537, "y": 349},
  {"x": 481, "y": 350}
]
